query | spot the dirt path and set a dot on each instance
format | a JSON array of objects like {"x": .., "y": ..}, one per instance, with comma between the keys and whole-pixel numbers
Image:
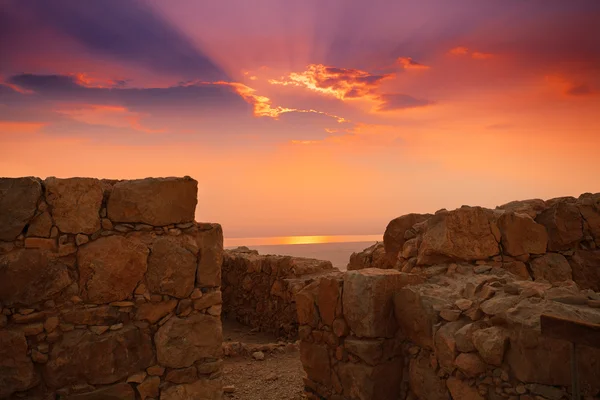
[{"x": 277, "y": 377}]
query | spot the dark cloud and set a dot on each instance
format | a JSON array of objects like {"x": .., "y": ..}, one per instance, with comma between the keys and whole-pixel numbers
[
  {"x": 124, "y": 29},
  {"x": 183, "y": 97},
  {"x": 580, "y": 90},
  {"x": 399, "y": 101}
]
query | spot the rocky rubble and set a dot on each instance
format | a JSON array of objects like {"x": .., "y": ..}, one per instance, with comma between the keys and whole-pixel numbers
[
  {"x": 108, "y": 289},
  {"x": 259, "y": 290},
  {"x": 459, "y": 314}
]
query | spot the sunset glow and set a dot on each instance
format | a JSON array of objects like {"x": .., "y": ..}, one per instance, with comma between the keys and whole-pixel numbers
[{"x": 301, "y": 119}]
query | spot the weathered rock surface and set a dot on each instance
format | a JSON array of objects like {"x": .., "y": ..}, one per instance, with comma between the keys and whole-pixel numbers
[
  {"x": 564, "y": 224},
  {"x": 182, "y": 341},
  {"x": 395, "y": 232},
  {"x": 463, "y": 234},
  {"x": 530, "y": 207},
  {"x": 171, "y": 267},
  {"x": 116, "y": 355},
  {"x": 585, "y": 266},
  {"x": 16, "y": 369},
  {"x": 18, "y": 203},
  {"x": 40, "y": 226},
  {"x": 153, "y": 312},
  {"x": 111, "y": 267},
  {"x": 210, "y": 256},
  {"x": 522, "y": 235},
  {"x": 368, "y": 300},
  {"x": 364, "y": 382},
  {"x": 424, "y": 381},
  {"x": 154, "y": 201},
  {"x": 417, "y": 312},
  {"x": 371, "y": 257},
  {"x": 120, "y": 391},
  {"x": 103, "y": 315},
  {"x": 552, "y": 267},
  {"x": 75, "y": 203},
  {"x": 29, "y": 275},
  {"x": 315, "y": 360}
]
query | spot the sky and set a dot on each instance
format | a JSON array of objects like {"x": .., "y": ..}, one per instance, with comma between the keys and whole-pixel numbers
[{"x": 326, "y": 117}]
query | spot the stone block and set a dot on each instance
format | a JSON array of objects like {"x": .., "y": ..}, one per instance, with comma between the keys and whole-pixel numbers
[
  {"x": 153, "y": 201},
  {"x": 368, "y": 300},
  {"x": 75, "y": 203},
  {"x": 18, "y": 204},
  {"x": 203, "y": 337},
  {"x": 28, "y": 276},
  {"x": 111, "y": 267},
  {"x": 171, "y": 267},
  {"x": 82, "y": 356}
]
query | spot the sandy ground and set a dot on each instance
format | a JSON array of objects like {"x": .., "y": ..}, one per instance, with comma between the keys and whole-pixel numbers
[{"x": 277, "y": 377}]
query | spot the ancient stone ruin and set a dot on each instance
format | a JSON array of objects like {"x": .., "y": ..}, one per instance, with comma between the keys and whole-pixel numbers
[
  {"x": 455, "y": 313},
  {"x": 108, "y": 290},
  {"x": 260, "y": 290}
]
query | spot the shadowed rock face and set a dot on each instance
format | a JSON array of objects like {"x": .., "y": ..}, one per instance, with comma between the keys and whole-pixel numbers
[
  {"x": 28, "y": 276},
  {"x": 260, "y": 290},
  {"x": 98, "y": 359},
  {"x": 18, "y": 202},
  {"x": 16, "y": 368}
]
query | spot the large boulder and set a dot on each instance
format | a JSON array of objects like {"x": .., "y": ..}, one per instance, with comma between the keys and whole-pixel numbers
[
  {"x": 468, "y": 233},
  {"x": 28, "y": 276},
  {"x": 395, "y": 232},
  {"x": 552, "y": 267},
  {"x": 111, "y": 267},
  {"x": 18, "y": 203},
  {"x": 210, "y": 256},
  {"x": 154, "y": 201},
  {"x": 522, "y": 235},
  {"x": 589, "y": 207},
  {"x": 83, "y": 356},
  {"x": 585, "y": 266},
  {"x": 530, "y": 207},
  {"x": 16, "y": 369},
  {"x": 75, "y": 203},
  {"x": 368, "y": 300},
  {"x": 564, "y": 224},
  {"x": 372, "y": 257},
  {"x": 172, "y": 267},
  {"x": 182, "y": 341}
]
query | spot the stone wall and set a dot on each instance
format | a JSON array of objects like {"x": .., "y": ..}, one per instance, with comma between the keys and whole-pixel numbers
[
  {"x": 259, "y": 290},
  {"x": 108, "y": 289},
  {"x": 459, "y": 317}
]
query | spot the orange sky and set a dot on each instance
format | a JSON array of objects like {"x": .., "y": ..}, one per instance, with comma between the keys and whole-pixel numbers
[{"x": 329, "y": 121}]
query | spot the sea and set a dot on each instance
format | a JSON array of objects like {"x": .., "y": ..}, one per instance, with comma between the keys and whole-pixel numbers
[{"x": 335, "y": 248}]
